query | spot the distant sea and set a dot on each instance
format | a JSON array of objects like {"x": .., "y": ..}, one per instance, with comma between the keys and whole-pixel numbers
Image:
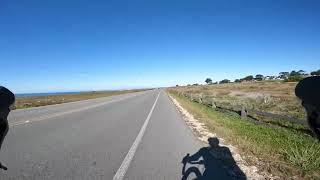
[{"x": 47, "y": 94}]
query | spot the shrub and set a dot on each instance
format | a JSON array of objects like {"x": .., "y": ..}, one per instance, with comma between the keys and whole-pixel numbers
[
  {"x": 315, "y": 73},
  {"x": 259, "y": 77},
  {"x": 248, "y": 78},
  {"x": 224, "y": 81},
  {"x": 294, "y": 78}
]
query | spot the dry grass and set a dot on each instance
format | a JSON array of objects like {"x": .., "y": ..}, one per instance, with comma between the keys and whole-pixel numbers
[
  {"x": 274, "y": 97},
  {"x": 26, "y": 102}
]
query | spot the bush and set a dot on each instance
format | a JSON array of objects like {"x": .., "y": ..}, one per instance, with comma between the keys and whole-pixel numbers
[
  {"x": 295, "y": 78},
  {"x": 259, "y": 77},
  {"x": 315, "y": 73},
  {"x": 248, "y": 78},
  {"x": 224, "y": 81}
]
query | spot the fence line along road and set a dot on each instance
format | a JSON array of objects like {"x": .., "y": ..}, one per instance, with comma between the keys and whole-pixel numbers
[{"x": 243, "y": 111}]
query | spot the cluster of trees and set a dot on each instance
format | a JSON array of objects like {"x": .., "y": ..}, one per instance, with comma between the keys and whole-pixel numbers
[
  {"x": 209, "y": 81},
  {"x": 315, "y": 73},
  {"x": 293, "y": 75},
  {"x": 286, "y": 76}
]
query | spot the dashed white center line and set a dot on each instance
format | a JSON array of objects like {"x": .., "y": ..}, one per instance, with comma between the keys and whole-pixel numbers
[{"x": 127, "y": 160}]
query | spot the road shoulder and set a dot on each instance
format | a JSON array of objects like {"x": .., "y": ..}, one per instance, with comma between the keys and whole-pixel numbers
[{"x": 203, "y": 134}]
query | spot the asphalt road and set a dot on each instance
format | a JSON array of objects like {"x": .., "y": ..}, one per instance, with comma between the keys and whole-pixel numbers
[{"x": 133, "y": 136}]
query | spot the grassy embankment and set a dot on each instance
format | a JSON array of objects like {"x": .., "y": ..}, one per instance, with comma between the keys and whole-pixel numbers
[
  {"x": 282, "y": 151},
  {"x": 27, "y": 102}
]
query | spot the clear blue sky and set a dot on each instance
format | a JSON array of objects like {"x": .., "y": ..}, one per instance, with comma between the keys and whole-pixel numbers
[{"x": 68, "y": 45}]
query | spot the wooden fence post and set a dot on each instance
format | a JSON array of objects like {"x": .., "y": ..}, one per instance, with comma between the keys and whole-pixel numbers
[
  {"x": 243, "y": 113},
  {"x": 213, "y": 105}
]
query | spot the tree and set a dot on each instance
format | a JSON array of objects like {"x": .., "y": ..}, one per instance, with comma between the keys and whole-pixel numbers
[
  {"x": 284, "y": 75},
  {"x": 295, "y": 76},
  {"x": 224, "y": 81},
  {"x": 237, "y": 80},
  {"x": 208, "y": 81},
  {"x": 315, "y": 73},
  {"x": 294, "y": 73},
  {"x": 302, "y": 72},
  {"x": 248, "y": 78},
  {"x": 259, "y": 77}
]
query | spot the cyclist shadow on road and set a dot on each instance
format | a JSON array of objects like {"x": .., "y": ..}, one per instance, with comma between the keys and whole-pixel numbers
[{"x": 218, "y": 163}]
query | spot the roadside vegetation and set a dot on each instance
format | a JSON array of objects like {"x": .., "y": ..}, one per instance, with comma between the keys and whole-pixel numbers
[
  {"x": 281, "y": 151},
  {"x": 283, "y": 148},
  {"x": 274, "y": 94},
  {"x": 27, "y": 102},
  {"x": 269, "y": 96}
]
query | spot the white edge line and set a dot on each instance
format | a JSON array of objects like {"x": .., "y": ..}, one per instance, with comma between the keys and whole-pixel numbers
[{"x": 127, "y": 160}]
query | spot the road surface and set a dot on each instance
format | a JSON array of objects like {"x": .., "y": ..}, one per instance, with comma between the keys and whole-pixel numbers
[{"x": 133, "y": 136}]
